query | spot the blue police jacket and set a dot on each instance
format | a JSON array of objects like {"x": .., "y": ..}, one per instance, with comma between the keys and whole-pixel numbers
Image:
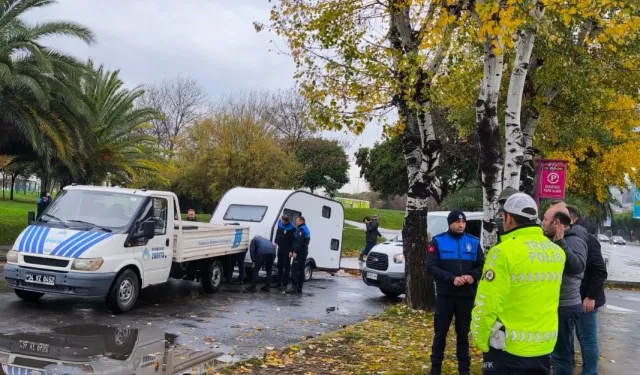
[{"x": 450, "y": 255}]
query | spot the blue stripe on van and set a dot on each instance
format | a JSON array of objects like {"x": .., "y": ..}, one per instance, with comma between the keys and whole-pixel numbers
[
  {"x": 32, "y": 240},
  {"x": 23, "y": 241},
  {"x": 68, "y": 242},
  {"x": 43, "y": 237},
  {"x": 80, "y": 249},
  {"x": 81, "y": 240}
]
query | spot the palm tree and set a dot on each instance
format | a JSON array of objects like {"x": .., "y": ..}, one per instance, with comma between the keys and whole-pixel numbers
[
  {"x": 38, "y": 108},
  {"x": 114, "y": 146}
]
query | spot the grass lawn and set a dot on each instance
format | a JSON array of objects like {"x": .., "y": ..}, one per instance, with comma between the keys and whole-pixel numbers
[
  {"x": 389, "y": 219},
  {"x": 353, "y": 241},
  {"x": 13, "y": 215},
  {"x": 396, "y": 342}
]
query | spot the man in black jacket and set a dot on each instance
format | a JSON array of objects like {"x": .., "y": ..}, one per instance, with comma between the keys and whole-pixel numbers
[
  {"x": 299, "y": 253},
  {"x": 371, "y": 235},
  {"x": 284, "y": 241},
  {"x": 263, "y": 253},
  {"x": 592, "y": 294},
  {"x": 455, "y": 259}
]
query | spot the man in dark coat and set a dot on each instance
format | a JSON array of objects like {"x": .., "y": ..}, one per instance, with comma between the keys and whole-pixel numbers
[
  {"x": 299, "y": 253},
  {"x": 592, "y": 294},
  {"x": 263, "y": 253},
  {"x": 371, "y": 235},
  {"x": 284, "y": 241}
]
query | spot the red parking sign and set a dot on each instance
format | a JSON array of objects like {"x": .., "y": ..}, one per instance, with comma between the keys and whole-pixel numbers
[{"x": 552, "y": 175}]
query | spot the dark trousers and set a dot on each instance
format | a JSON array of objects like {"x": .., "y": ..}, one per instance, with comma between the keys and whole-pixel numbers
[
  {"x": 297, "y": 271},
  {"x": 284, "y": 267},
  {"x": 446, "y": 308},
  {"x": 562, "y": 358},
  {"x": 367, "y": 248},
  {"x": 240, "y": 263},
  {"x": 263, "y": 260},
  {"x": 499, "y": 362}
]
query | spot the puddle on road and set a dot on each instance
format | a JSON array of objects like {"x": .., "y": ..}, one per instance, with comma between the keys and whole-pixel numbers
[
  {"x": 87, "y": 349},
  {"x": 337, "y": 310}
]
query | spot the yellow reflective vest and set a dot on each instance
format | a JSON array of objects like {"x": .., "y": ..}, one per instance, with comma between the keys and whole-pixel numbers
[{"x": 520, "y": 288}]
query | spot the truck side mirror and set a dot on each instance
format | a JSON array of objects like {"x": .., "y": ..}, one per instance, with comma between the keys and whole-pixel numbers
[
  {"x": 148, "y": 229},
  {"x": 31, "y": 217}
]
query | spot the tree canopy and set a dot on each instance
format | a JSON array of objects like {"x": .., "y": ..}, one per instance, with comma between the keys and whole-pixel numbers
[{"x": 324, "y": 164}]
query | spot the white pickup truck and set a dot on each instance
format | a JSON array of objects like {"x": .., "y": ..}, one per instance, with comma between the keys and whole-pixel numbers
[{"x": 112, "y": 242}]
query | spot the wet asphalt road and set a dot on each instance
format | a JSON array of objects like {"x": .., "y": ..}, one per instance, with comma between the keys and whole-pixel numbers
[{"x": 231, "y": 322}]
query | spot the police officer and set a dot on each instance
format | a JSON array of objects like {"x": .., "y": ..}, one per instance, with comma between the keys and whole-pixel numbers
[
  {"x": 515, "y": 318},
  {"x": 284, "y": 241},
  {"x": 300, "y": 250},
  {"x": 455, "y": 260},
  {"x": 502, "y": 198}
]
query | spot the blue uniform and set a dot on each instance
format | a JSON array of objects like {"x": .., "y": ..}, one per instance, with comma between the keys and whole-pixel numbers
[{"x": 451, "y": 255}]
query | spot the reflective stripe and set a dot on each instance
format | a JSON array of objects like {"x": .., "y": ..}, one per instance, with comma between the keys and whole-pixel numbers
[
  {"x": 522, "y": 336},
  {"x": 536, "y": 277}
]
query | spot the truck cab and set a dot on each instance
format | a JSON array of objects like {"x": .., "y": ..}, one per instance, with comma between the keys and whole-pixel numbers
[
  {"x": 112, "y": 242},
  {"x": 385, "y": 268}
]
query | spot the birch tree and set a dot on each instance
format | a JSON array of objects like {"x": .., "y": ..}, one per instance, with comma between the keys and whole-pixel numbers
[{"x": 363, "y": 61}]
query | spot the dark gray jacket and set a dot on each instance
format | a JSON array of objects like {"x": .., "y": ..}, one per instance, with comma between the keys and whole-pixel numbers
[
  {"x": 574, "y": 245},
  {"x": 260, "y": 246},
  {"x": 372, "y": 232}
]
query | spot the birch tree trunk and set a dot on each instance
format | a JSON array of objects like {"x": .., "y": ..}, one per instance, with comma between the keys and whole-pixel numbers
[
  {"x": 422, "y": 156},
  {"x": 488, "y": 129},
  {"x": 528, "y": 171},
  {"x": 514, "y": 141}
]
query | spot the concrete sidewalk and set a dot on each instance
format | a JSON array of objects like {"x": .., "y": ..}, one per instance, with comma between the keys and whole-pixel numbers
[
  {"x": 386, "y": 233},
  {"x": 351, "y": 264}
]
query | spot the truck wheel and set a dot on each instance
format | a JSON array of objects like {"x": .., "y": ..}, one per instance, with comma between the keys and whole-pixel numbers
[
  {"x": 28, "y": 296},
  {"x": 124, "y": 292},
  {"x": 390, "y": 294},
  {"x": 308, "y": 271},
  {"x": 212, "y": 279}
]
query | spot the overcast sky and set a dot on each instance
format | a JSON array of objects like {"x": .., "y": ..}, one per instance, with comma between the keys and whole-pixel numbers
[{"x": 211, "y": 41}]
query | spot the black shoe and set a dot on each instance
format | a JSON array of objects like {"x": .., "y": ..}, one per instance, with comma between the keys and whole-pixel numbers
[
  {"x": 265, "y": 289},
  {"x": 250, "y": 290},
  {"x": 361, "y": 258},
  {"x": 291, "y": 290}
]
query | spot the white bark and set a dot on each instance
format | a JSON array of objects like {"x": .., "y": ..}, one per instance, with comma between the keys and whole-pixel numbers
[
  {"x": 514, "y": 142},
  {"x": 489, "y": 132}
]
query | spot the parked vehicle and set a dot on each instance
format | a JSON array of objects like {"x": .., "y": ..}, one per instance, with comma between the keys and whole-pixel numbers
[
  {"x": 384, "y": 268},
  {"x": 604, "y": 238},
  {"x": 260, "y": 210},
  {"x": 91, "y": 348},
  {"x": 617, "y": 240},
  {"x": 112, "y": 242}
]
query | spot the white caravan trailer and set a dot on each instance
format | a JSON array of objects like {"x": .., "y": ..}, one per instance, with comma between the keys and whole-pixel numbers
[{"x": 260, "y": 209}]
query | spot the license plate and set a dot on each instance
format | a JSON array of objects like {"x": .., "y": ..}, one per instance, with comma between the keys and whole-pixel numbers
[
  {"x": 372, "y": 276},
  {"x": 35, "y": 278},
  {"x": 34, "y": 347}
]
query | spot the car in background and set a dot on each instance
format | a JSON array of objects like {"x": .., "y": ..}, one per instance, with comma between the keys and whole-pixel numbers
[
  {"x": 604, "y": 238},
  {"x": 617, "y": 240}
]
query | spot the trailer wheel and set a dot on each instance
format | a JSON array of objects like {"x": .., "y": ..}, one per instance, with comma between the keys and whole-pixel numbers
[
  {"x": 212, "y": 278},
  {"x": 124, "y": 292},
  {"x": 28, "y": 296},
  {"x": 308, "y": 271}
]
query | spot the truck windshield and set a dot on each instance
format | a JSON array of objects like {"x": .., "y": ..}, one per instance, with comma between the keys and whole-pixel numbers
[
  {"x": 435, "y": 225},
  {"x": 92, "y": 208}
]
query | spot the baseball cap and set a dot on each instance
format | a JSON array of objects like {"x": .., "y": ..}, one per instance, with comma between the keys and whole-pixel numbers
[
  {"x": 521, "y": 204},
  {"x": 506, "y": 193}
]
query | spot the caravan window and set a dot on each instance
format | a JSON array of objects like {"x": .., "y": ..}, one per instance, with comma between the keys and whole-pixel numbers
[
  {"x": 241, "y": 212},
  {"x": 292, "y": 215},
  {"x": 326, "y": 212}
]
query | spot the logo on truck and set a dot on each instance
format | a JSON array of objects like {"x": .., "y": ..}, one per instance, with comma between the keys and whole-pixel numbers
[{"x": 237, "y": 238}]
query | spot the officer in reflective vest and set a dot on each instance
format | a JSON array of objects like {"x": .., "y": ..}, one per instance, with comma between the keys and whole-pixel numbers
[
  {"x": 515, "y": 318},
  {"x": 455, "y": 260}
]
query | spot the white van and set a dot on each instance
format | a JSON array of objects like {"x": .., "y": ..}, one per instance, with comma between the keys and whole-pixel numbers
[
  {"x": 384, "y": 268},
  {"x": 260, "y": 209},
  {"x": 111, "y": 242}
]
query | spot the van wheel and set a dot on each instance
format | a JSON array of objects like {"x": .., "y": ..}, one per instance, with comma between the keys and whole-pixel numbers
[
  {"x": 390, "y": 294},
  {"x": 212, "y": 278},
  {"x": 124, "y": 292},
  {"x": 308, "y": 271},
  {"x": 28, "y": 296}
]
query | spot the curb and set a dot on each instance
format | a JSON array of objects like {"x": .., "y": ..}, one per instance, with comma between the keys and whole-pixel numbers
[{"x": 622, "y": 284}]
